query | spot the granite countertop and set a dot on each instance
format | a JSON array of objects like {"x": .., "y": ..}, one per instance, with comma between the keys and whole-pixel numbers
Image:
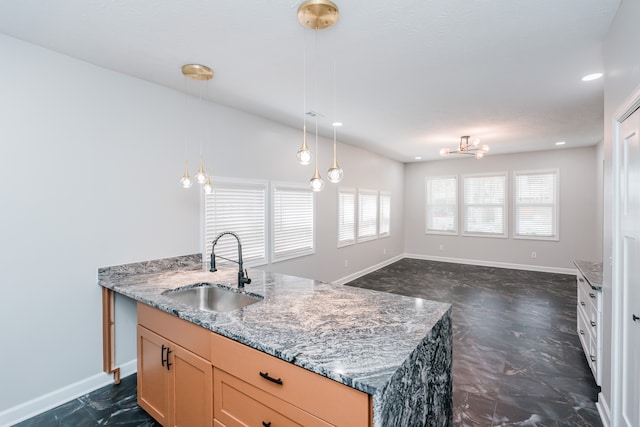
[
  {"x": 355, "y": 336},
  {"x": 592, "y": 271}
]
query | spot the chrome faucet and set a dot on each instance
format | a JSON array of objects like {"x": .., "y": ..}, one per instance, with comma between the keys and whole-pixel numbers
[{"x": 243, "y": 277}]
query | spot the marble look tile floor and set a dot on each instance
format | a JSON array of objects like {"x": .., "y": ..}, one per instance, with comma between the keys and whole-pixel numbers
[{"x": 517, "y": 360}]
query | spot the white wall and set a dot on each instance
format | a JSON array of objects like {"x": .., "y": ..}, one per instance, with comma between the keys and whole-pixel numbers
[
  {"x": 89, "y": 164},
  {"x": 622, "y": 79},
  {"x": 578, "y": 205}
]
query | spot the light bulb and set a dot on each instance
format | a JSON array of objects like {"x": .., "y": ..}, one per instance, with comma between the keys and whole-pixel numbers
[
  {"x": 445, "y": 151},
  {"x": 479, "y": 154},
  {"x": 335, "y": 174},
  {"x": 485, "y": 148},
  {"x": 201, "y": 175},
  {"x": 208, "y": 189},
  {"x": 475, "y": 142},
  {"x": 304, "y": 156}
]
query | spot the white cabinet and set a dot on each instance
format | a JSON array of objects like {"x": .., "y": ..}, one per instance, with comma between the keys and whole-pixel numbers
[{"x": 590, "y": 325}]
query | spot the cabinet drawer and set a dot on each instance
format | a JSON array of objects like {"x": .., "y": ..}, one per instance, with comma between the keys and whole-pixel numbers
[
  {"x": 238, "y": 404},
  {"x": 333, "y": 402},
  {"x": 189, "y": 336}
]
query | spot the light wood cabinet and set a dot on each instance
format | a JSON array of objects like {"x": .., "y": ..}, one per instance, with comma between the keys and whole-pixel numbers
[
  {"x": 191, "y": 377},
  {"x": 174, "y": 384},
  {"x": 280, "y": 392}
]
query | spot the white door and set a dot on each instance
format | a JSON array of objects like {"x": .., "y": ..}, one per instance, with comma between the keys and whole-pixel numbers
[{"x": 629, "y": 211}]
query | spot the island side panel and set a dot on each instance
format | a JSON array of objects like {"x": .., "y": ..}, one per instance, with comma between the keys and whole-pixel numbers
[{"x": 420, "y": 392}]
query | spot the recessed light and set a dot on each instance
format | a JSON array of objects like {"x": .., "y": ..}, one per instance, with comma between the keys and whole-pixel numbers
[
  {"x": 561, "y": 142},
  {"x": 418, "y": 158},
  {"x": 336, "y": 124},
  {"x": 590, "y": 77}
]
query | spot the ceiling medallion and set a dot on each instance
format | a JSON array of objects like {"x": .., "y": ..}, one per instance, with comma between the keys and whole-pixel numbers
[{"x": 318, "y": 14}]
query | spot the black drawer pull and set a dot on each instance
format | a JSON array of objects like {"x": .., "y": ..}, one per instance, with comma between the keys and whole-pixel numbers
[
  {"x": 582, "y": 303},
  {"x": 266, "y": 424},
  {"x": 593, "y": 358},
  {"x": 593, "y": 323},
  {"x": 162, "y": 354},
  {"x": 635, "y": 318},
  {"x": 581, "y": 332},
  {"x": 266, "y": 376},
  {"x": 592, "y": 295}
]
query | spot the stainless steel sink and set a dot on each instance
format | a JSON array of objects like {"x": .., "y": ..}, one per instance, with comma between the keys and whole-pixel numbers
[{"x": 212, "y": 298}]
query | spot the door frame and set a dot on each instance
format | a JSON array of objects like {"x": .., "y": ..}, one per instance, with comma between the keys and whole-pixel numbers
[{"x": 617, "y": 294}]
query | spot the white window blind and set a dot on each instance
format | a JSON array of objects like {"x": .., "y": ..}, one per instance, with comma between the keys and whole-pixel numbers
[
  {"x": 441, "y": 205},
  {"x": 346, "y": 217},
  {"x": 238, "y": 206},
  {"x": 485, "y": 205},
  {"x": 367, "y": 215},
  {"x": 385, "y": 215},
  {"x": 293, "y": 222},
  {"x": 536, "y": 204}
]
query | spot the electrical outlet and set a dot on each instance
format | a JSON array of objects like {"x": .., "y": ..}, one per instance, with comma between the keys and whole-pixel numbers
[
  {"x": 534, "y": 255},
  {"x": 346, "y": 263},
  {"x": 442, "y": 247}
]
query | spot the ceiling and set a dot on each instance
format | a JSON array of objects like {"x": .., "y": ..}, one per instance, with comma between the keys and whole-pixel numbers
[{"x": 411, "y": 76}]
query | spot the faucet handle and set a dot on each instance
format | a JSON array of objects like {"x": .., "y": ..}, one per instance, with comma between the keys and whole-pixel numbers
[{"x": 247, "y": 280}]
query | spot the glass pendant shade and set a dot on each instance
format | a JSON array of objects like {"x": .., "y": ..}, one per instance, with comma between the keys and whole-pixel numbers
[
  {"x": 335, "y": 174},
  {"x": 316, "y": 183},
  {"x": 201, "y": 175},
  {"x": 186, "y": 179},
  {"x": 304, "y": 154},
  {"x": 207, "y": 187}
]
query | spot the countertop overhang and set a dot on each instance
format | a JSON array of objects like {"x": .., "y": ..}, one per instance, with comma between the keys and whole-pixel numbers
[{"x": 355, "y": 336}]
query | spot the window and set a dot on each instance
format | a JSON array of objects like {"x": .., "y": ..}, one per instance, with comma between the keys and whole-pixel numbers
[
  {"x": 385, "y": 215},
  {"x": 441, "y": 205},
  {"x": 346, "y": 217},
  {"x": 536, "y": 205},
  {"x": 367, "y": 215},
  {"x": 485, "y": 205},
  {"x": 229, "y": 197},
  {"x": 293, "y": 222}
]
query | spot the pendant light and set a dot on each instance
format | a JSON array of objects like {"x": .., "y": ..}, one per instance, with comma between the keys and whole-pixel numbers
[
  {"x": 304, "y": 154},
  {"x": 315, "y": 15},
  {"x": 335, "y": 172},
  {"x": 200, "y": 73}
]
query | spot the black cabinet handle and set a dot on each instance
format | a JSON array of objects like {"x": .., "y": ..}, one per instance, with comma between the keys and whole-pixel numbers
[
  {"x": 592, "y": 295},
  {"x": 266, "y": 376},
  {"x": 581, "y": 332},
  {"x": 266, "y": 424},
  {"x": 162, "y": 360},
  {"x": 582, "y": 303},
  {"x": 593, "y": 358},
  {"x": 635, "y": 318},
  {"x": 593, "y": 323},
  {"x": 168, "y": 363}
]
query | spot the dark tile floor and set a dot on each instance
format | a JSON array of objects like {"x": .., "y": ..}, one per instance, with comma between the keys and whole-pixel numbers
[{"x": 517, "y": 360}]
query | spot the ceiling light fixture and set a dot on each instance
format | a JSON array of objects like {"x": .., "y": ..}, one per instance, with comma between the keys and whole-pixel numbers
[
  {"x": 471, "y": 147},
  {"x": 317, "y": 15},
  {"x": 589, "y": 77},
  {"x": 203, "y": 73}
]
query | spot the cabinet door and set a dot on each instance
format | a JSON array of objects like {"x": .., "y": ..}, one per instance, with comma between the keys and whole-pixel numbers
[
  {"x": 153, "y": 379},
  {"x": 192, "y": 388}
]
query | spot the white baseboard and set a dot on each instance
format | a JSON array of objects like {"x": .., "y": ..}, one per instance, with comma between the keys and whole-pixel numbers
[
  {"x": 603, "y": 410},
  {"x": 482, "y": 263},
  {"x": 62, "y": 395},
  {"x": 354, "y": 276}
]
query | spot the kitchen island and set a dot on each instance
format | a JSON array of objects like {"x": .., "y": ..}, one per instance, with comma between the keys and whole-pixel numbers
[{"x": 395, "y": 349}]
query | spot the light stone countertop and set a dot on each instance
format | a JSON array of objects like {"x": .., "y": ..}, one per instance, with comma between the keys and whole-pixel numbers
[
  {"x": 366, "y": 339},
  {"x": 592, "y": 271}
]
